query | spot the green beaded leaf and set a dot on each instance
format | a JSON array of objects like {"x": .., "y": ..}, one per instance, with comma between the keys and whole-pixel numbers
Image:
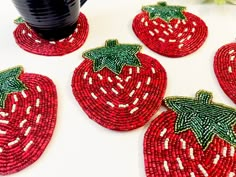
[
  {"x": 10, "y": 83},
  {"x": 114, "y": 56},
  {"x": 183, "y": 122},
  {"x": 205, "y": 118},
  {"x": 19, "y": 20},
  {"x": 165, "y": 12}
]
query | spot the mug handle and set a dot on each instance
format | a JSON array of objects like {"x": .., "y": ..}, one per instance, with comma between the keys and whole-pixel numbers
[{"x": 82, "y": 2}]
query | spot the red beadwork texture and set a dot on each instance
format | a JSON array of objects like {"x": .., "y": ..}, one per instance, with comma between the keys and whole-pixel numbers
[
  {"x": 120, "y": 102},
  {"x": 177, "y": 38},
  {"x": 224, "y": 67},
  {"x": 27, "y": 123},
  {"x": 169, "y": 154},
  {"x": 31, "y": 42}
]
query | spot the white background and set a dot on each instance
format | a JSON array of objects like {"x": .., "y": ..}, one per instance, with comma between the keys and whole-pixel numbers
[{"x": 80, "y": 147}]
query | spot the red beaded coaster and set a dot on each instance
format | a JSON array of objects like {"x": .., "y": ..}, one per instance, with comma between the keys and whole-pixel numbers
[
  {"x": 31, "y": 42},
  {"x": 28, "y": 110},
  {"x": 118, "y": 87},
  {"x": 195, "y": 138},
  {"x": 225, "y": 67},
  {"x": 170, "y": 30}
]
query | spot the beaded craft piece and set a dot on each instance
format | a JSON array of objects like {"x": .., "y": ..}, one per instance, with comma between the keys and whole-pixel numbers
[
  {"x": 28, "y": 109},
  {"x": 28, "y": 40},
  {"x": 170, "y": 30},
  {"x": 224, "y": 67},
  {"x": 119, "y": 87},
  {"x": 195, "y": 138}
]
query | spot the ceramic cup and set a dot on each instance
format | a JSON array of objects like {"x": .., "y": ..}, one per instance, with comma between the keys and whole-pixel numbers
[{"x": 50, "y": 19}]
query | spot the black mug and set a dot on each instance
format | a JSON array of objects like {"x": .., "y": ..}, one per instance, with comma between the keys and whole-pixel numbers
[{"x": 50, "y": 19}]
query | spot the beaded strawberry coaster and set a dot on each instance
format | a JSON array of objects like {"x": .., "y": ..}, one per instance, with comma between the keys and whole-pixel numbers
[
  {"x": 31, "y": 42},
  {"x": 196, "y": 137},
  {"x": 28, "y": 110},
  {"x": 170, "y": 30},
  {"x": 119, "y": 87},
  {"x": 225, "y": 69}
]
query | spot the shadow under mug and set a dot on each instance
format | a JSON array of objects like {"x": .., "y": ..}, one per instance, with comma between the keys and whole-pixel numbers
[{"x": 50, "y": 19}]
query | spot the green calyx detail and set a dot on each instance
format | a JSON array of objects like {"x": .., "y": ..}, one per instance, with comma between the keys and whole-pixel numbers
[
  {"x": 165, "y": 12},
  {"x": 205, "y": 118},
  {"x": 19, "y": 20},
  {"x": 114, "y": 56},
  {"x": 10, "y": 83}
]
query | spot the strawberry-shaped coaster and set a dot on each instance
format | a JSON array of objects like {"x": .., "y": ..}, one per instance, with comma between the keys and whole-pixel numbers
[
  {"x": 119, "y": 87},
  {"x": 170, "y": 30},
  {"x": 28, "y": 109},
  {"x": 195, "y": 138},
  {"x": 28, "y": 40},
  {"x": 224, "y": 67}
]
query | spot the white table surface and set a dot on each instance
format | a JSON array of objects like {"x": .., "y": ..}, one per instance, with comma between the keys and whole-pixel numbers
[{"x": 79, "y": 146}]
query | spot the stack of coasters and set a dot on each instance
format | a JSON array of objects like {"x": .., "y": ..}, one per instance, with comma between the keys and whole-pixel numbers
[
  {"x": 28, "y": 110},
  {"x": 118, "y": 87},
  {"x": 224, "y": 67},
  {"x": 196, "y": 137},
  {"x": 28, "y": 40},
  {"x": 170, "y": 30}
]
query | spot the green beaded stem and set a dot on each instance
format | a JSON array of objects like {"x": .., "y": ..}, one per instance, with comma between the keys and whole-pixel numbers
[
  {"x": 205, "y": 118},
  {"x": 114, "y": 56},
  {"x": 165, "y": 12},
  {"x": 10, "y": 83}
]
